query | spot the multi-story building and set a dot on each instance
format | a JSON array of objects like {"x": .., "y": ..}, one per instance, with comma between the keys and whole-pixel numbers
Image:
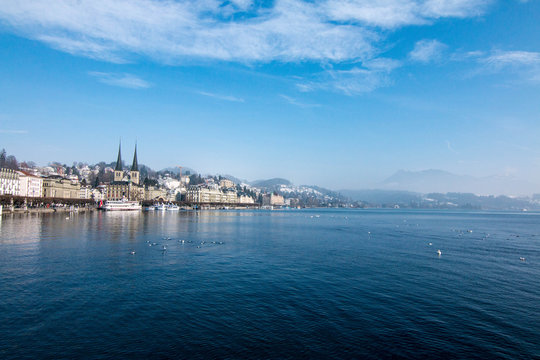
[
  {"x": 245, "y": 199},
  {"x": 58, "y": 187},
  {"x": 9, "y": 182},
  {"x": 203, "y": 194},
  {"x": 30, "y": 185},
  {"x": 126, "y": 185},
  {"x": 155, "y": 193},
  {"x": 100, "y": 193},
  {"x": 85, "y": 192},
  {"x": 273, "y": 200},
  {"x": 226, "y": 184},
  {"x": 210, "y": 194},
  {"x": 229, "y": 197}
]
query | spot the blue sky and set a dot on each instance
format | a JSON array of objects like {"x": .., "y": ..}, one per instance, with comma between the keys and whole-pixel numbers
[{"x": 336, "y": 93}]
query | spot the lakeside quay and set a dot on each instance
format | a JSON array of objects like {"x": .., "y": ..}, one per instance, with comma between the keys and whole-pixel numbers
[
  {"x": 28, "y": 205},
  {"x": 8, "y": 210}
]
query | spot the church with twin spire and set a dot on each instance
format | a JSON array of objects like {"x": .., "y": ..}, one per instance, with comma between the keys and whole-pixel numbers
[{"x": 126, "y": 184}]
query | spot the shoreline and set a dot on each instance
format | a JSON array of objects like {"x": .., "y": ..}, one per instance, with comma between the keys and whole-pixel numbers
[{"x": 6, "y": 211}]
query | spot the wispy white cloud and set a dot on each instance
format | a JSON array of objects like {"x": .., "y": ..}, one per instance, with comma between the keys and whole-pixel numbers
[
  {"x": 357, "y": 80},
  {"x": 525, "y": 64},
  {"x": 395, "y": 13},
  {"x": 9, "y": 131},
  {"x": 123, "y": 80},
  {"x": 238, "y": 30},
  {"x": 221, "y": 97},
  {"x": 426, "y": 51},
  {"x": 295, "y": 102},
  {"x": 501, "y": 59},
  {"x": 449, "y": 146},
  {"x": 453, "y": 8}
]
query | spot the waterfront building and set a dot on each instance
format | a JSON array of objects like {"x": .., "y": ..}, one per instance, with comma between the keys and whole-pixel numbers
[
  {"x": 229, "y": 197},
  {"x": 273, "y": 200},
  {"x": 59, "y": 187},
  {"x": 203, "y": 194},
  {"x": 85, "y": 192},
  {"x": 9, "y": 182},
  {"x": 245, "y": 199},
  {"x": 126, "y": 185},
  {"x": 99, "y": 193},
  {"x": 30, "y": 185},
  {"x": 210, "y": 194}
]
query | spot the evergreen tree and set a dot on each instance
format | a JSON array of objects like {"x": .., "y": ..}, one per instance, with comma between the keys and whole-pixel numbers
[{"x": 3, "y": 158}]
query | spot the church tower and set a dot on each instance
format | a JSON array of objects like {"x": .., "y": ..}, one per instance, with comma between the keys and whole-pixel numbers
[
  {"x": 134, "y": 172},
  {"x": 118, "y": 171}
]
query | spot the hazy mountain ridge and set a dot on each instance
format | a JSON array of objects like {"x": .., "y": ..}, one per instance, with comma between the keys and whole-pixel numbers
[
  {"x": 451, "y": 200},
  {"x": 440, "y": 181},
  {"x": 269, "y": 183}
]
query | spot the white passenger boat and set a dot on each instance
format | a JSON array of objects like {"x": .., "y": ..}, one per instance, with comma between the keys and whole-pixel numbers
[
  {"x": 160, "y": 207},
  {"x": 173, "y": 207},
  {"x": 120, "y": 205}
]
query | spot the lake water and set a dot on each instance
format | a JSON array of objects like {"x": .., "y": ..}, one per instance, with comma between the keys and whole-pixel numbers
[{"x": 271, "y": 284}]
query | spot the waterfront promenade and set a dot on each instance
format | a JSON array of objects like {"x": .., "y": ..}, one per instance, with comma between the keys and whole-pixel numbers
[{"x": 21, "y": 204}]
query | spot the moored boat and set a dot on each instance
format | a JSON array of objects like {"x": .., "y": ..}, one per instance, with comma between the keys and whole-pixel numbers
[{"x": 120, "y": 205}]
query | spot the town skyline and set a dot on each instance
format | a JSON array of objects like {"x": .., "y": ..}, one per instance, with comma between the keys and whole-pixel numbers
[{"x": 406, "y": 85}]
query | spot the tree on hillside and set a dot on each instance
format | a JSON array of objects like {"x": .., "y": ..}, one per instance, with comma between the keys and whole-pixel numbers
[
  {"x": 150, "y": 182},
  {"x": 11, "y": 163},
  {"x": 3, "y": 156},
  {"x": 196, "y": 179}
]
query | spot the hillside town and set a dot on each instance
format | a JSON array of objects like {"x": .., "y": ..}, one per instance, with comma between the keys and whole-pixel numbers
[{"x": 86, "y": 184}]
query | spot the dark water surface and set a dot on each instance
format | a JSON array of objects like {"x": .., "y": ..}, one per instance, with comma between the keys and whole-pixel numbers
[{"x": 268, "y": 284}]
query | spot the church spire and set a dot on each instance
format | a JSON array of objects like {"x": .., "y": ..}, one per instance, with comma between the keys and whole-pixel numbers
[
  {"x": 135, "y": 166},
  {"x": 119, "y": 161}
]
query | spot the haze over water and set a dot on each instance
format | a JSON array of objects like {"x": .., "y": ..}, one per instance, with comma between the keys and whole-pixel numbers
[{"x": 271, "y": 284}]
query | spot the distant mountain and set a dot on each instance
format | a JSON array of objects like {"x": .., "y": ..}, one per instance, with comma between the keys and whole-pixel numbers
[
  {"x": 270, "y": 183},
  {"x": 465, "y": 200},
  {"x": 431, "y": 181},
  {"x": 452, "y": 200},
  {"x": 382, "y": 196}
]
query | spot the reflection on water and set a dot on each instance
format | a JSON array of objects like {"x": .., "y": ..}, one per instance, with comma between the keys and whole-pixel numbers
[{"x": 20, "y": 229}]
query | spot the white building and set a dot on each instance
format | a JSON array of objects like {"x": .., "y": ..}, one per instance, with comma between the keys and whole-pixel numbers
[
  {"x": 185, "y": 180},
  {"x": 210, "y": 194},
  {"x": 245, "y": 199},
  {"x": 30, "y": 185},
  {"x": 229, "y": 197},
  {"x": 85, "y": 192},
  {"x": 9, "y": 182},
  {"x": 100, "y": 193}
]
